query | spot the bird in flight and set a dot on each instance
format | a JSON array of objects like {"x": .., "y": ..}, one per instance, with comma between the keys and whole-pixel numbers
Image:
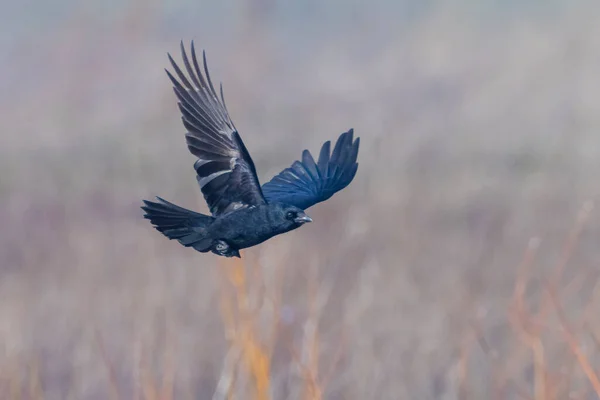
[{"x": 243, "y": 214}]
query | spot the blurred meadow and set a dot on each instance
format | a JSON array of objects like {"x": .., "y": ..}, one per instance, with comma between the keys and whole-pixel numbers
[{"x": 461, "y": 263}]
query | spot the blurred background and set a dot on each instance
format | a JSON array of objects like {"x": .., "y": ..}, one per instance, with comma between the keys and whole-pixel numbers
[{"x": 462, "y": 261}]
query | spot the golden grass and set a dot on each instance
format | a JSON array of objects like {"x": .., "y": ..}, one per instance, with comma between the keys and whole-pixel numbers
[
  {"x": 240, "y": 320},
  {"x": 253, "y": 335},
  {"x": 252, "y": 338},
  {"x": 247, "y": 371},
  {"x": 250, "y": 352},
  {"x": 243, "y": 295},
  {"x": 531, "y": 326}
]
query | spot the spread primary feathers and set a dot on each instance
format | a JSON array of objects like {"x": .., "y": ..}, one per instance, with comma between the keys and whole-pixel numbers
[{"x": 244, "y": 214}]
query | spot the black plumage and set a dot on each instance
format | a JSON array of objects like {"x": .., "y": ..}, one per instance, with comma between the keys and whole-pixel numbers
[{"x": 244, "y": 214}]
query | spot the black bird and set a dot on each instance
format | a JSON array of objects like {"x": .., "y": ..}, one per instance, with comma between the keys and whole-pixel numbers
[{"x": 243, "y": 213}]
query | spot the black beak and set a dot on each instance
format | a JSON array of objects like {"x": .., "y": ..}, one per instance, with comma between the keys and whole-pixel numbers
[
  {"x": 236, "y": 253},
  {"x": 302, "y": 218}
]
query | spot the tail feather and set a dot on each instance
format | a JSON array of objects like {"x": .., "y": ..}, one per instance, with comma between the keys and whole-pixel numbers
[{"x": 188, "y": 227}]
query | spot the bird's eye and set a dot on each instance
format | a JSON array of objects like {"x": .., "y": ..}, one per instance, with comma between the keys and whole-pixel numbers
[
  {"x": 221, "y": 246},
  {"x": 290, "y": 215}
]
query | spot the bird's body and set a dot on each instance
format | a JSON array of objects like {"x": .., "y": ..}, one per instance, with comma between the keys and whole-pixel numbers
[
  {"x": 251, "y": 226},
  {"x": 244, "y": 214}
]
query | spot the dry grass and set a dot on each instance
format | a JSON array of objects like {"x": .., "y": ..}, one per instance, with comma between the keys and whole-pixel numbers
[{"x": 247, "y": 366}]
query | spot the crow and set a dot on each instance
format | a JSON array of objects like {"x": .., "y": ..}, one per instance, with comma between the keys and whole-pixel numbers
[{"x": 243, "y": 214}]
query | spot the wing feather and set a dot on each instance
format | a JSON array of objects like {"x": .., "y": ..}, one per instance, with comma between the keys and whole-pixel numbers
[
  {"x": 306, "y": 183},
  {"x": 224, "y": 169}
]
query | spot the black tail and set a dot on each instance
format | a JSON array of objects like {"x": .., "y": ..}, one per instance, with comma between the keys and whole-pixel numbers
[{"x": 188, "y": 227}]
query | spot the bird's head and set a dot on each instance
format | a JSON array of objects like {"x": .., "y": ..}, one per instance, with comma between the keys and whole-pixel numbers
[{"x": 291, "y": 217}]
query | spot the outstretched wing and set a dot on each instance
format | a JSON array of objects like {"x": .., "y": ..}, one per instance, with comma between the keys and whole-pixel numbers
[
  {"x": 225, "y": 170},
  {"x": 307, "y": 183}
]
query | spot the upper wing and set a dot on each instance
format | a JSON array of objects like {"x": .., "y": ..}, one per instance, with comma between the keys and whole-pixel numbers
[
  {"x": 307, "y": 183},
  {"x": 225, "y": 170}
]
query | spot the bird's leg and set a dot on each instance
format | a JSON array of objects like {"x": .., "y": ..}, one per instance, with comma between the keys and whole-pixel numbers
[{"x": 222, "y": 248}]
